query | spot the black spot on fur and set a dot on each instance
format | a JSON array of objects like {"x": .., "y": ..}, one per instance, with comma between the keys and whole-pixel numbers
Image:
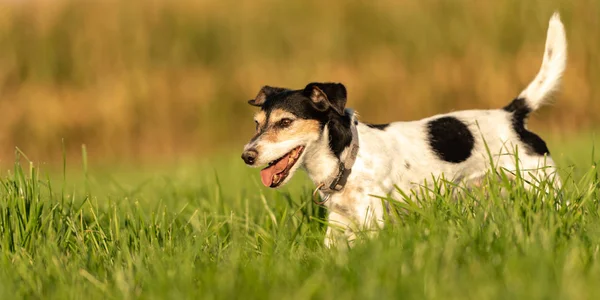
[
  {"x": 378, "y": 126},
  {"x": 450, "y": 139},
  {"x": 340, "y": 134},
  {"x": 520, "y": 110},
  {"x": 407, "y": 164}
]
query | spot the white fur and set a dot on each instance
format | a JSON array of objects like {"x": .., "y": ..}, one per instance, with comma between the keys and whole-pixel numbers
[
  {"x": 553, "y": 65},
  {"x": 380, "y": 164}
]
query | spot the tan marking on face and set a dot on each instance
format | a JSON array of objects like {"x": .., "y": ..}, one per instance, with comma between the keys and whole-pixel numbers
[
  {"x": 299, "y": 127},
  {"x": 277, "y": 114},
  {"x": 260, "y": 117}
]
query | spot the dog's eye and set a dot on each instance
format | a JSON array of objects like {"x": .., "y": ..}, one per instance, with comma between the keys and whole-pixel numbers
[{"x": 285, "y": 122}]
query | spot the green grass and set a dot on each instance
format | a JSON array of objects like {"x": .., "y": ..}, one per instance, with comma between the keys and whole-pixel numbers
[{"x": 209, "y": 230}]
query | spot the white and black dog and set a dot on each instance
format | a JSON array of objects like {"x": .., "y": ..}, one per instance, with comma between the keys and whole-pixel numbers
[{"x": 349, "y": 160}]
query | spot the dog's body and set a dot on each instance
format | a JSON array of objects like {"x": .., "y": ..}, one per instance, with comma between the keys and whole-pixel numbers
[{"x": 313, "y": 129}]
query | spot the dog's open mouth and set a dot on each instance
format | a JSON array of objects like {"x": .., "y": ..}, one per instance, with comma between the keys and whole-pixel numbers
[{"x": 277, "y": 170}]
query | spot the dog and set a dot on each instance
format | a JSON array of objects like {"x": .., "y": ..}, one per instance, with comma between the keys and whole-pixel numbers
[{"x": 349, "y": 161}]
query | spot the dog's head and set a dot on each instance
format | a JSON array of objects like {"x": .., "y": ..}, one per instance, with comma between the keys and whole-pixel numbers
[{"x": 290, "y": 122}]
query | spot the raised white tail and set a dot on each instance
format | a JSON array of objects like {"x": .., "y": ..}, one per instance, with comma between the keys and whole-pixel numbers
[{"x": 553, "y": 65}]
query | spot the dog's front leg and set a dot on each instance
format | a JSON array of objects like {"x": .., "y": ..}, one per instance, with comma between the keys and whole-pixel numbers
[
  {"x": 340, "y": 232},
  {"x": 348, "y": 219}
]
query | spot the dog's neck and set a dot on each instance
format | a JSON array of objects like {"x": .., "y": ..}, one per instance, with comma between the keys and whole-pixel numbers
[{"x": 321, "y": 162}]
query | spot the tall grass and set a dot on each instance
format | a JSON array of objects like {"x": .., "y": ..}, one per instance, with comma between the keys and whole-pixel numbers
[
  {"x": 209, "y": 231},
  {"x": 147, "y": 78}
]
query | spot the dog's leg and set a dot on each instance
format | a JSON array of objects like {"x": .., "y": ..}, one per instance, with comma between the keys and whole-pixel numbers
[
  {"x": 539, "y": 170},
  {"x": 340, "y": 231},
  {"x": 356, "y": 214}
]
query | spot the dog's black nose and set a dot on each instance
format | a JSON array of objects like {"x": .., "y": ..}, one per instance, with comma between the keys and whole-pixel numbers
[{"x": 249, "y": 156}]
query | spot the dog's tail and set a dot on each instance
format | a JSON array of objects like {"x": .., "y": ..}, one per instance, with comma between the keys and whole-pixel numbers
[{"x": 548, "y": 78}]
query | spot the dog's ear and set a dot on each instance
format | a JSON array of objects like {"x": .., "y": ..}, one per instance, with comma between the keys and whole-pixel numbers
[
  {"x": 327, "y": 95},
  {"x": 265, "y": 92}
]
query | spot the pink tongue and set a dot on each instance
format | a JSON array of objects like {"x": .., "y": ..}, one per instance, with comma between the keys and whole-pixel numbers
[{"x": 266, "y": 174}]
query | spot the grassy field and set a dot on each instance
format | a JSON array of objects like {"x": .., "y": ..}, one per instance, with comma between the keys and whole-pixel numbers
[
  {"x": 209, "y": 230},
  {"x": 161, "y": 207}
]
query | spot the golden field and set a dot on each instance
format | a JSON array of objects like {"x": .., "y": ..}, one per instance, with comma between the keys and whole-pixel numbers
[{"x": 148, "y": 79}]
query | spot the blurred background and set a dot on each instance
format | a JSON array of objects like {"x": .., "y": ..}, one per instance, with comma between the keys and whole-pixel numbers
[{"x": 154, "y": 81}]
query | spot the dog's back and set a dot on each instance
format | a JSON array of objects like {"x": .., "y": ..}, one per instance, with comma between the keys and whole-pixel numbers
[{"x": 462, "y": 145}]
